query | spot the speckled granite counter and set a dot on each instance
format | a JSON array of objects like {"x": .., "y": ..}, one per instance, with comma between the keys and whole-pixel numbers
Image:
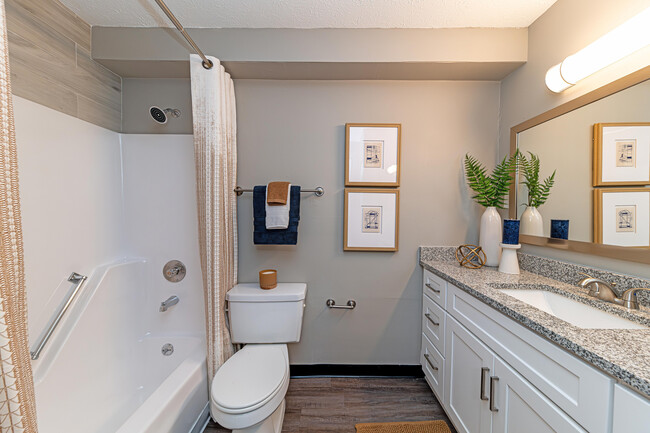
[{"x": 623, "y": 354}]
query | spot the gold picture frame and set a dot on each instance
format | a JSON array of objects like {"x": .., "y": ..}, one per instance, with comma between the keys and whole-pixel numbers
[
  {"x": 628, "y": 217},
  {"x": 630, "y": 153},
  {"x": 371, "y": 223},
  {"x": 372, "y": 154}
]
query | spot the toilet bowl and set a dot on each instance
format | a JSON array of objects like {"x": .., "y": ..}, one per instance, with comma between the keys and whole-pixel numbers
[
  {"x": 247, "y": 392},
  {"x": 250, "y": 387}
]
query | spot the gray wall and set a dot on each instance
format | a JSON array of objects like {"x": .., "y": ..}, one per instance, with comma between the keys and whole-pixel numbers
[
  {"x": 563, "y": 29},
  {"x": 49, "y": 55},
  {"x": 294, "y": 130}
]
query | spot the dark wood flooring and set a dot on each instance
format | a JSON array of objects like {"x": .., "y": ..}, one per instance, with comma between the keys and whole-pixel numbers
[{"x": 323, "y": 404}]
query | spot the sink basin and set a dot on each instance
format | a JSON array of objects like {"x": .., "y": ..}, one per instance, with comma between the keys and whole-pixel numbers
[{"x": 569, "y": 310}]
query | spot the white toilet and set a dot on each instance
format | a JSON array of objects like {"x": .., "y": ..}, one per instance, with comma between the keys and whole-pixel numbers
[{"x": 247, "y": 392}]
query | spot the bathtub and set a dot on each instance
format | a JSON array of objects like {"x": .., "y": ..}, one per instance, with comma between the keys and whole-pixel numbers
[{"x": 103, "y": 371}]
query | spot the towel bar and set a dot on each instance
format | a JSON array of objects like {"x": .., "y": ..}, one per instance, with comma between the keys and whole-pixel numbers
[{"x": 319, "y": 191}]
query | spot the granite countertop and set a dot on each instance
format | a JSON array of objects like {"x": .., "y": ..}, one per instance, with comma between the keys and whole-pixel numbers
[{"x": 623, "y": 354}]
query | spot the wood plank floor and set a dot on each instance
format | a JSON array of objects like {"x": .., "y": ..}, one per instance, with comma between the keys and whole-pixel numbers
[{"x": 336, "y": 404}]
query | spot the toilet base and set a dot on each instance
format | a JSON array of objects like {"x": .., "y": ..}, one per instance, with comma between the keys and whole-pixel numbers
[{"x": 272, "y": 424}]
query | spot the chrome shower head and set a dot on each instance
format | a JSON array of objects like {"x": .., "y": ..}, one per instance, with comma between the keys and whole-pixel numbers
[{"x": 160, "y": 116}]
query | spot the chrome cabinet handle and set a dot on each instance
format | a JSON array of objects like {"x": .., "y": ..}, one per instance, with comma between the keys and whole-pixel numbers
[
  {"x": 484, "y": 371},
  {"x": 432, "y": 288},
  {"x": 433, "y": 367},
  {"x": 433, "y": 322},
  {"x": 493, "y": 386}
]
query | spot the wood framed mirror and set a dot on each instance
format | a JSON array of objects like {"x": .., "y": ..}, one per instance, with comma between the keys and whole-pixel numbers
[{"x": 563, "y": 138}]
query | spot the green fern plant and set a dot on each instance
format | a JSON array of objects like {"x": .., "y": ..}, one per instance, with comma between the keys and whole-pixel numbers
[
  {"x": 490, "y": 189},
  {"x": 538, "y": 192}
]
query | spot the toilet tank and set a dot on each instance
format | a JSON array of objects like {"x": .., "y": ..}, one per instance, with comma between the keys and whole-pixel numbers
[{"x": 266, "y": 316}]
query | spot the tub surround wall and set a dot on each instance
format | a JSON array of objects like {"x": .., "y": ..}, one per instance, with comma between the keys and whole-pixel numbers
[
  {"x": 566, "y": 27},
  {"x": 49, "y": 55},
  {"x": 295, "y": 130}
]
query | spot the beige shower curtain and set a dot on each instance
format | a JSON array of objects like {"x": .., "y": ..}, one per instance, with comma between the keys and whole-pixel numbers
[
  {"x": 17, "y": 405},
  {"x": 215, "y": 154}
]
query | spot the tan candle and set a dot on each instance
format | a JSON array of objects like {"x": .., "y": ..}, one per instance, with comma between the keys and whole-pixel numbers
[{"x": 268, "y": 279}]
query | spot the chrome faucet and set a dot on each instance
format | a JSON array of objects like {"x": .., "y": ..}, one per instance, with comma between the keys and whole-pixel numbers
[
  {"x": 172, "y": 300},
  {"x": 605, "y": 291},
  {"x": 600, "y": 289}
]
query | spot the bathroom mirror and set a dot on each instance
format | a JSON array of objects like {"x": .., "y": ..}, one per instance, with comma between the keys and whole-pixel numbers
[{"x": 563, "y": 140}]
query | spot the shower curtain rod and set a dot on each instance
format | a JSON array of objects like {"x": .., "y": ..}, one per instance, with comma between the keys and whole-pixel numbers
[{"x": 207, "y": 63}]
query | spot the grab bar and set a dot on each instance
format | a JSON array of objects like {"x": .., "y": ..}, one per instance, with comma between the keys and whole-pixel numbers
[
  {"x": 350, "y": 306},
  {"x": 77, "y": 279}
]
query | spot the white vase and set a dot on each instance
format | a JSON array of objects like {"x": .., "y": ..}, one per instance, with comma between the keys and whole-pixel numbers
[
  {"x": 490, "y": 236},
  {"x": 532, "y": 222}
]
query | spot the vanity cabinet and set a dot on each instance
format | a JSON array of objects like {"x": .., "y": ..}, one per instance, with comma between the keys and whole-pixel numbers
[
  {"x": 536, "y": 386},
  {"x": 484, "y": 394}
]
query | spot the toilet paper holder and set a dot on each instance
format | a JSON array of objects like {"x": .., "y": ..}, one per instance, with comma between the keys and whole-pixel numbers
[{"x": 350, "y": 305}]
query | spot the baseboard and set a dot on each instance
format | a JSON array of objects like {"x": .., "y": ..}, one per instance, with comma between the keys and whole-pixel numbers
[{"x": 355, "y": 370}]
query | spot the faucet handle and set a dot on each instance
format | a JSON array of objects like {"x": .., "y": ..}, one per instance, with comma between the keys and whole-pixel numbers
[{"x": 629, "y": 298}]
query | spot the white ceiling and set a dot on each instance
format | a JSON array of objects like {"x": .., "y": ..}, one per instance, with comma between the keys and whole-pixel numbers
[{"x": 313, "y": 13}]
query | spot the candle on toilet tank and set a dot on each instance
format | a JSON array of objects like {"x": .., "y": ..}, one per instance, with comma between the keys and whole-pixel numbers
[{"x": 268, "y": 279}]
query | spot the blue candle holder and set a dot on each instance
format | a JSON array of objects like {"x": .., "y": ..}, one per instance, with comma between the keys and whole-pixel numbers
[
  {"x": 560, "y": 229},
  {"x": 511, "y": 232}
]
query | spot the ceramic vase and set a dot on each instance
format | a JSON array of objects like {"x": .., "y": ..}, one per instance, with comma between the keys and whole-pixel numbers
[
  {"x": 490, "y": 235},
  {"x": 532, "y": 222}
]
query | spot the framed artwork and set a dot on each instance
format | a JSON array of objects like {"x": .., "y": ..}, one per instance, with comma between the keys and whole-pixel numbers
[
  {"x": 371, "y": 219},
  {"x": 622, "y": 216},
  {"x": 372, "y": 154},
  {"x": 621, "y": 154}
]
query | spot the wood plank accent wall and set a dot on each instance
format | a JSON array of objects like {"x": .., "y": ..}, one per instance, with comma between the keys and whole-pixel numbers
[{"x": 49, "y": 56}]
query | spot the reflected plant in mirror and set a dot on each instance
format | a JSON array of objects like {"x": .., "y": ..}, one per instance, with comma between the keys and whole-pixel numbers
[
  {"x": 490, "y": 192},
  {"x": 532, "y": 222}
]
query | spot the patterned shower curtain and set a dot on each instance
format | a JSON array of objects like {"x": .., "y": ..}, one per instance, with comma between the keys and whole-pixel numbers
[
  {"x": 17, "y": 405},
  {"x": 215, "y": 154}
]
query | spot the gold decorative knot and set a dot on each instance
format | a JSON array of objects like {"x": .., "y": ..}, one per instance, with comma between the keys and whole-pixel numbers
[{"x": 470, "y": 256}]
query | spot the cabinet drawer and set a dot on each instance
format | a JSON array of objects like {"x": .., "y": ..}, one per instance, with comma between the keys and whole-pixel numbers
[
  {"x": 574, "y": 386},
  {"x": 433, "y": 365},
  {"x": 434, "y": 287},
  {"x": 433, "y": 323}
]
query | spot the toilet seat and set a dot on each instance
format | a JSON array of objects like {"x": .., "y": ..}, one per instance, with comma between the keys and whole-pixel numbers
[{"x": 250, "y": 385}]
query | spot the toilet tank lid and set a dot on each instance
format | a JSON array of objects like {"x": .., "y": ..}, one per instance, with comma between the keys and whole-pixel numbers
[{"x": 251, "y": 292}]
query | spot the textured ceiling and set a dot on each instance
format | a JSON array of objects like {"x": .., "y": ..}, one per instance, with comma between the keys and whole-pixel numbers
[{"x": 313, "y": 13}]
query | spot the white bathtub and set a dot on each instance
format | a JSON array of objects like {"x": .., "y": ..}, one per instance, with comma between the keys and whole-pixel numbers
[{"x": 103, "y": 370}]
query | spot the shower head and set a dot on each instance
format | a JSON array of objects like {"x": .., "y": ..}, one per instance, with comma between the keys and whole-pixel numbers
[{"x": 160, "y": 116}]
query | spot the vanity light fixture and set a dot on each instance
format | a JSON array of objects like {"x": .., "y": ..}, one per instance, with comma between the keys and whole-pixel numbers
[{"x": 624, "y": 40}]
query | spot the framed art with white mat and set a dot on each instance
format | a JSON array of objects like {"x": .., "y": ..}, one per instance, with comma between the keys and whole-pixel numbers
[
  {"x": 372, "y": 154},
  {"x": 371, "y": 219},
  {"x": 622, "y": 216},
  {"x": 621, "y": 154}
]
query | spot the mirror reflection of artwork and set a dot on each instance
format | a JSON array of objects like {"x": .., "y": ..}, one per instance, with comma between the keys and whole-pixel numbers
[
  {"x": 373, "y": 154},
  {"x": 625, "y": 219},
  {"x": 371, "y": 219},
  {"x": 626, "y": 153}
]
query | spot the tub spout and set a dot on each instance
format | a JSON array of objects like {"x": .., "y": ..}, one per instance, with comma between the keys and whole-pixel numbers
[{"x": 164, "y": 305}]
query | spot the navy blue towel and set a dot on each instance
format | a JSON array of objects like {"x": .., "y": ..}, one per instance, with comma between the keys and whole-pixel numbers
[{"x": 262, "y": 236}]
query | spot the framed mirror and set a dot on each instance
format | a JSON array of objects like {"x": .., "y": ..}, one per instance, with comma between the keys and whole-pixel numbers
[{"x": 576, "y": 140}]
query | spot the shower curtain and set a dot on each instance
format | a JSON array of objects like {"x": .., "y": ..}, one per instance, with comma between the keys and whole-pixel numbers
[
  {"x": 17, "y": 405},
  {"x": 215, "y": 155}
]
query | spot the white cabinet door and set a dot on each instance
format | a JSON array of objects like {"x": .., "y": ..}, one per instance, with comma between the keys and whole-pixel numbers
[
  {"x": 631, "y": 411},
  {"x": 468, "y": 366},
  {"x": 519, "y": 407}
]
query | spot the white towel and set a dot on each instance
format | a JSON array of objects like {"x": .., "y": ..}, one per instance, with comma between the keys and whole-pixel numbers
[{"x": 277, "y": 217}]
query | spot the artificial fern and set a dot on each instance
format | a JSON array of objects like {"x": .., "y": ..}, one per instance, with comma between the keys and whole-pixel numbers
[
  {"x": 537, "y": 193},
  {"x": 490, "y": 190}
]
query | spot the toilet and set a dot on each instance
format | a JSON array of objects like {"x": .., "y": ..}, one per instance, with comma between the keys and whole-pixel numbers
[{"x": 247, "y": 392}]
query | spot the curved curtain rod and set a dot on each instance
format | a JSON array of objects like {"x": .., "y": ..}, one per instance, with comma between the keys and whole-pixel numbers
[{"x": 207, "y": 63}]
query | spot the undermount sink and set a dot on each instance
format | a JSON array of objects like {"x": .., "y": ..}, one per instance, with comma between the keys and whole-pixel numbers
[{"x": 569, "y": 310}]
